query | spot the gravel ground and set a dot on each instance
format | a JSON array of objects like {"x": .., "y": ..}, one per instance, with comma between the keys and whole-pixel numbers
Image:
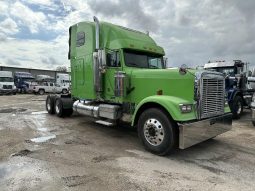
[{"x": 42, "y": 152}]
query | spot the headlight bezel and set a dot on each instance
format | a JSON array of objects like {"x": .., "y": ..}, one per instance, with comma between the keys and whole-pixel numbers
[{"x": 186, "y": 108}]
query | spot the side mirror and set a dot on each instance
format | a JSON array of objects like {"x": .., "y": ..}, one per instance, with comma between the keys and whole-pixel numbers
[{"x": 183, "y": 69}]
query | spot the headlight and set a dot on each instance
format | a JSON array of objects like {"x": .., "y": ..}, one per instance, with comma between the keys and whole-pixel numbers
[{"x": 185, "y": 108}]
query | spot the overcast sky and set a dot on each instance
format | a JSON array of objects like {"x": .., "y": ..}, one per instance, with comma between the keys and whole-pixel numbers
[{"x": 34, "y": 33}]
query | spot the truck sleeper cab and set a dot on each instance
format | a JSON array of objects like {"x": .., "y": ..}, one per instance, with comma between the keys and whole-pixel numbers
[{"x": 119, "y": 74}]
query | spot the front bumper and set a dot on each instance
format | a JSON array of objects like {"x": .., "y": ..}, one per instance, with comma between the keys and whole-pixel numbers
[
  {"x": 196, "y": 132},
  {"x": 7, "y": 91}
]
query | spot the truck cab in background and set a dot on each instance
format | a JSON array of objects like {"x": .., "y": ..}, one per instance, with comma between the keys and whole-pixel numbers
[
  {"x": 7, "y": 83},
  {"x": 63, "y": 80},
  {"x": 24, "y": 81},
  {"x": 238, "y": 83}
]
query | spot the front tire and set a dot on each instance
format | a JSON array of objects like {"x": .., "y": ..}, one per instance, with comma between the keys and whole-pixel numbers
[
  {"x": 156, "y": 131},
  {"x": 237, "y": 107}
]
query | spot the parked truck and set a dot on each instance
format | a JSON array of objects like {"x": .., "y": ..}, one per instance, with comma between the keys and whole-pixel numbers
[
  {"x": 63, "y": 80},
  {"x": 7, "y": 83},
  {"x": 237, "y": 84},
  {"x": 24, "y": 81},
  {"x": 118, "y": 74}
]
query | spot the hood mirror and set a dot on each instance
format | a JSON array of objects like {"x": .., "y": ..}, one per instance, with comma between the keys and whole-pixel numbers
[{"x": 183, "y": 69}]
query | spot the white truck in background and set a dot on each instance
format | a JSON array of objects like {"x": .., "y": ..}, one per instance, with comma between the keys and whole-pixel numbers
[
  {"x": 7, "y": 83},
  {"x": 63, "y": 79}
]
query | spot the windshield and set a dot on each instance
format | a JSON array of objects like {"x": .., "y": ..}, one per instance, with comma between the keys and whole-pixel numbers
[
  {"x": 143, "y": 60},
  {"x": 225, "y": 70},
  {"x": 28, "y": 79},
  {"x": 6, "y": 79}
]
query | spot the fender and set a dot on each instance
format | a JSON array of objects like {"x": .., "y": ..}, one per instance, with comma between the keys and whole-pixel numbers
[
  {"x": 232, "y": 93},
  {"x": 170, "y": 104}
]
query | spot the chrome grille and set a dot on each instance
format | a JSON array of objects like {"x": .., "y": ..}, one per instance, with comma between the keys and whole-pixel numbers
[
  {"x": 212, "y": 96},
  {"x": 7, "y": 86}
]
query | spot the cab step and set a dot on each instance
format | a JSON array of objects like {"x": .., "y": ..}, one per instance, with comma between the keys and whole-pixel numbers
[{"x": 106, "y": 123}]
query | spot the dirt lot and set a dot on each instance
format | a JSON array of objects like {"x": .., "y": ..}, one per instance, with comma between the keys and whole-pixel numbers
[{"x": 43, "y": 152}]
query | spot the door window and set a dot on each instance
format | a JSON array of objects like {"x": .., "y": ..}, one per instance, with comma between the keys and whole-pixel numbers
[{"x": 113, "y": 59}]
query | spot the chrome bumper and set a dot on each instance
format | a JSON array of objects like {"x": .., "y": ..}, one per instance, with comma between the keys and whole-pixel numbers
[
  {"x": 7, "y": 91},
  {"x": 196, "y": 132}
]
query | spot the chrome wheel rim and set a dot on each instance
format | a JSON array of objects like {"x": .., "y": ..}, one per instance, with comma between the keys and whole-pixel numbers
[{"x": 153, "y": 132}]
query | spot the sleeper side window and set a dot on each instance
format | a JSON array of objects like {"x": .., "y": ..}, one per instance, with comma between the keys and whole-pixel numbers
[{"x": 80, "y": 39}]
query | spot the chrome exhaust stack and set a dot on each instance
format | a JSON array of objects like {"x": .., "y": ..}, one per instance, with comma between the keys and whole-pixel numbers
[
  {"x": 97, "y": 32},
  {"x": 98, "y": 60}
]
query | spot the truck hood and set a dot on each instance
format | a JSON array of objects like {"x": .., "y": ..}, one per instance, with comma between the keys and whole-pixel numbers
[{"x": 147, "y": 82}]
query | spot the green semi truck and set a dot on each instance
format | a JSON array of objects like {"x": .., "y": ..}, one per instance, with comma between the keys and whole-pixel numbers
[{"x": 118, "y": 74}]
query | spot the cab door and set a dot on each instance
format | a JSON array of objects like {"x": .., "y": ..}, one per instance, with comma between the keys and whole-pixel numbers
[{"x": 113, "y": 64}]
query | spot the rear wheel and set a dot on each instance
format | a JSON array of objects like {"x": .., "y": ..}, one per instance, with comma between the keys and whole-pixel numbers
[
  {"x": 237, "y": 107},
  {"x": 50, "y": 104},
  {"x": 68, "y": 112},
  {"x": 157, "y": 133},
  {"x": 59, "y": 108},
  {"x": 23, "y": 90},
  {"x": 41, "y": 91},
  {"x": 64, "y": 91}
]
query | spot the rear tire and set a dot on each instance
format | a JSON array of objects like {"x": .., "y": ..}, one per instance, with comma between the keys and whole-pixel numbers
[
  {"x": 41, "y": 91},
  {"x": 23, "y": 90},
  {"x": 156, "y": 131},
  {"x": 68, "y": 112},
  {"x": 64, "y": 91},
  {"x": 253, "y": 123},
  {"x": 50, "y": 104},
  {"x": 237, "y": 107},
  {"x": 58, "y": 108}
]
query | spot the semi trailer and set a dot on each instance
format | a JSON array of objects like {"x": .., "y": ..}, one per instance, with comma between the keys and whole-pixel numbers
[{"x": 119, "y": 75}]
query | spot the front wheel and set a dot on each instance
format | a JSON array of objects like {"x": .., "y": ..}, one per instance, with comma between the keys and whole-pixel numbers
[
  {"x": 237, "y": 107},
  {"x": 156, "y": 131}
]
